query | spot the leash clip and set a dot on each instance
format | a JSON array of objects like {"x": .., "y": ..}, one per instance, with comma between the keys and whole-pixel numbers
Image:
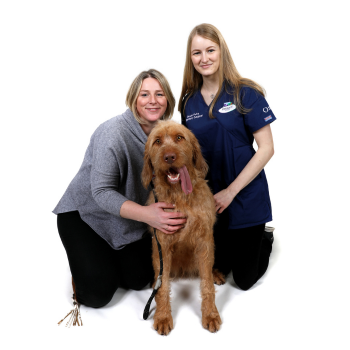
[{"x": 158, "y": 283}]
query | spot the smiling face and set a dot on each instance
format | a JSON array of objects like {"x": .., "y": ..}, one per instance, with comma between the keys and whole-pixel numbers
[
  {"x": 151, "y": 103},
  {"x": 205, "y": 56}
]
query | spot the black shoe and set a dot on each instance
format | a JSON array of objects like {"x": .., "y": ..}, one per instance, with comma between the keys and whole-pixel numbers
[{"x": 269, "y": 233}]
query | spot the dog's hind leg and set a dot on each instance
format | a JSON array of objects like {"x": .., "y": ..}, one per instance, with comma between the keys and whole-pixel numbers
[
  {"x": 163, "y": 321},
  {"x": 218, "y": 277},
  {"x": 210, "y": 316}
]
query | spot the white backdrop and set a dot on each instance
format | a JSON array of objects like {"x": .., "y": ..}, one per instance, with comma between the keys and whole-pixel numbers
[{"x": 65, "y": 67}]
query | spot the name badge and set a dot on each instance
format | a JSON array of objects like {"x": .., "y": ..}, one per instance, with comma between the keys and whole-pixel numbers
[{"x": 228, "y": 107}]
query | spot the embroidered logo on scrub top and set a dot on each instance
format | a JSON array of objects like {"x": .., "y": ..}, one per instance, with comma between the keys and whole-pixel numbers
[
  {"x": 228, "y": 107},
  {"x": 193, "y": 116},
  {"x": 267, "y": 118}
]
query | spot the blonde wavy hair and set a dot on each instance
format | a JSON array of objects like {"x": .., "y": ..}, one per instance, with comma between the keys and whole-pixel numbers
[
  {"x": 192, "y": 80},
  {"x": 135, "y": 87}
]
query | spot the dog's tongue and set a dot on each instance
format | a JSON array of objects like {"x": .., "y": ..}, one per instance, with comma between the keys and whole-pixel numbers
[{"x": 186, "y": 183}]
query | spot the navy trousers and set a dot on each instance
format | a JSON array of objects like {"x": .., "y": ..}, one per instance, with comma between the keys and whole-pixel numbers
[{"x": 245, "y": 251}]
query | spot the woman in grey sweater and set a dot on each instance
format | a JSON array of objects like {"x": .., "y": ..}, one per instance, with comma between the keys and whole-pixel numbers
[{"x": 102, "y": 218}]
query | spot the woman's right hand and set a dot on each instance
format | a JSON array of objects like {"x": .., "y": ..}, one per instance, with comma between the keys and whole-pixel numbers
[
  {"x": 154, "y": 215},
  {"x": 167, "y": 222}
]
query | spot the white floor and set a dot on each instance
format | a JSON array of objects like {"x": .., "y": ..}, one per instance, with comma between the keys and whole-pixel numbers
[
  {"x": 241, "y": 312},
  {"x": 291, "y": 307}
]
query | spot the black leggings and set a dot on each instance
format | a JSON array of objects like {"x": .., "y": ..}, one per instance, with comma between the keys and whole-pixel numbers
[
  {"x": 245, "y": 251},
  {"x": 97, "y": 269}
]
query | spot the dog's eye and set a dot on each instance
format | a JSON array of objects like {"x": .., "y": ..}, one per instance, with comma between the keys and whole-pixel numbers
[
  {"x": 157, "y": 141},
  {"x": 179, "y": 137}
]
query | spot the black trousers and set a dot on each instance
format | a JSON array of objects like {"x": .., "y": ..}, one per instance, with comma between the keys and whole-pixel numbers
[
  {"x": 245, "y": 251},
  {"x": 97, "y": 269}
]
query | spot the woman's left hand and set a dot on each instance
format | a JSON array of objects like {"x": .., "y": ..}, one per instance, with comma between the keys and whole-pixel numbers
[{"x": 223, "y": 199}]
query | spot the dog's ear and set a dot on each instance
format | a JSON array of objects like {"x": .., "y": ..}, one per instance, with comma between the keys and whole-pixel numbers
[
  {"x": 198, "y": 160},
  {"x": 147, "y": 170}
]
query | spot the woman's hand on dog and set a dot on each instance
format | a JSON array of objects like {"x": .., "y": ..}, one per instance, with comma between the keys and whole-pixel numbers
[
  {"x": 154, "y": 215},
  {"x": 165, "y": 221}
]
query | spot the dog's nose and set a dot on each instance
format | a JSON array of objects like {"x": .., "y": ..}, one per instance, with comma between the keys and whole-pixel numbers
[{"x": 169, "y": 158}]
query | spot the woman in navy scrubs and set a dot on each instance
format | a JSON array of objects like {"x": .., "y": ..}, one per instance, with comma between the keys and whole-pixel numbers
[{"x": 226, "y": 113}]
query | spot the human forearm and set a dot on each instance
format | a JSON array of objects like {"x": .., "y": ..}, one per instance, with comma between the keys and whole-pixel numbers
[
  {"x": 109, "y": 200},
  {"x": 264, "y": 140},
  {"x": 154, "y": 215},
  {"x": 247, "y": 175},
  {"x": 133, "y": 211},
  {"x": 252, "y": 169}
]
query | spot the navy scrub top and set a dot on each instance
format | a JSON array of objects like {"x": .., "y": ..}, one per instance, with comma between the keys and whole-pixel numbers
[{"x": 227, "y": 146}]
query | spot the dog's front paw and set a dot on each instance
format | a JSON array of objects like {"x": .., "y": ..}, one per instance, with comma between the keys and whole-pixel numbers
[
  {"x": 163, "y": 325},
  {"x": 211, "y": 322},
  {"x": 218, "y": 277}
]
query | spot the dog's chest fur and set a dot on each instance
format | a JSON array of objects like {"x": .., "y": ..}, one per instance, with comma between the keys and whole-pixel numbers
[{"x": 201, "y": 217}]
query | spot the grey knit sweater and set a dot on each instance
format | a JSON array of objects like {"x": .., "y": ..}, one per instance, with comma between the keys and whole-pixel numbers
[{"x": 110, "y": 175}]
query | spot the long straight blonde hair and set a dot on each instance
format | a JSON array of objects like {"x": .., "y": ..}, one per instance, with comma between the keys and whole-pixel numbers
[{"x": 192, "y": 80}]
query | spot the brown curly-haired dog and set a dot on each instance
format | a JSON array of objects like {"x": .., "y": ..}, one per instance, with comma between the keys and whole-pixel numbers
[{"x": 173, "y": 154}]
